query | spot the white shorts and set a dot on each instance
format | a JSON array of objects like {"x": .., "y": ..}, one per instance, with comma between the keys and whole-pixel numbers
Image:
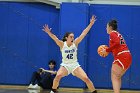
[{"x": 70, "y": 67}]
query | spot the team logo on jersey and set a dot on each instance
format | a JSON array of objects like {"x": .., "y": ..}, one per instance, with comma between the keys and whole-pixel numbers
[{"x": 70, "y": 51}]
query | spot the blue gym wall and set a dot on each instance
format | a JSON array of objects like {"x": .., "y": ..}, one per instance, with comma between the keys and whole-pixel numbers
[
  {"x": 24, "y": 47},
  {"x": 72, "y": 19},
  {"x": 128, "y": 22},
  {"x": 97, "y": 68},
  {"x": 103, "y": 65}
]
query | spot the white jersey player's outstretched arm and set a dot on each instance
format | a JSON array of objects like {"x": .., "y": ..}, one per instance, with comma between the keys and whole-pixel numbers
[
  {"x": 84, "y": 33},
  {"x": 48, "y": 31}
]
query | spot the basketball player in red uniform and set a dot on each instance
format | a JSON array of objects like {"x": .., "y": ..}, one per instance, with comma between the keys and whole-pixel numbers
[{"x": 121, "y": 53}]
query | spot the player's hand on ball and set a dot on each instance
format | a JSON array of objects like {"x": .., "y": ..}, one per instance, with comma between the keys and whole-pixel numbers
[{"x": 102, "y": 50}]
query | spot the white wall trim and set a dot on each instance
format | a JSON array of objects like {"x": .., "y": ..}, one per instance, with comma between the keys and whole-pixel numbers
[
  {"x": 58, "y": 2},
  {"x": 51, "y": 2},
  {"x": 114, "y": 2},
  {"x": 18, "y": 0}
]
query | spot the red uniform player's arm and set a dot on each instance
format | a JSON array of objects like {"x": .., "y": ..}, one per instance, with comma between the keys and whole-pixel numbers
[{"x": 115, "y": 41}]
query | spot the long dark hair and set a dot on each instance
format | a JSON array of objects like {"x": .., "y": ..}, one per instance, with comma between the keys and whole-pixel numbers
[
  {"x": 113, "y": 24},
  {"x": 66, "y": 35}
]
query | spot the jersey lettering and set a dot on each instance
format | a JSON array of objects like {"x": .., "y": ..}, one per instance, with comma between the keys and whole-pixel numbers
[{"x": 122, "y": 41}]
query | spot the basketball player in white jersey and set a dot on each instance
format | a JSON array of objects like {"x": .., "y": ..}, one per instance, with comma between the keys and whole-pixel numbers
[{"x": 68, "y": 47}]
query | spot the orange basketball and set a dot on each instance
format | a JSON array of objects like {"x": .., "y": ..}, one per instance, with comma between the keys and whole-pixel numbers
[{"x": 100, "y": 50}]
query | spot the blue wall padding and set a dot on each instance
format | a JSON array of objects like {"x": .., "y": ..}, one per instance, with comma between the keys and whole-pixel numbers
[
  {"x": 135, "y": 44},
  {"x": 3, "y": 35},
  {"x": 98, "y": 67},
  {"x": 128, "y": 21},
  {"x": 72, "y": 19},
  {"x": 121, "y": 13},
  {"x": 24, "y": 46}
]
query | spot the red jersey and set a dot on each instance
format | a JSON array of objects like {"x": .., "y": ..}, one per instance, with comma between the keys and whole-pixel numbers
[{"x": 116, "y": 43}]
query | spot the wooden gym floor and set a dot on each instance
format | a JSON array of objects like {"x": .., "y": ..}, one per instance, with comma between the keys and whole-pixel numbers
[{"x": 23, "y": 89}]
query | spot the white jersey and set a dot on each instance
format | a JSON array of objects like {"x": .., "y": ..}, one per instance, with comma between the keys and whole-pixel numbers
[{"x": 69, "y": 54}]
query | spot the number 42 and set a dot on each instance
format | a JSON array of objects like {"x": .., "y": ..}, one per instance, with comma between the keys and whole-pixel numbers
[{"x": 70, "y": 56}]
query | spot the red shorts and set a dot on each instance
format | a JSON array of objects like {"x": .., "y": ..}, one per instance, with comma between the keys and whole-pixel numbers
[{"x": 124, "y": 60}]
